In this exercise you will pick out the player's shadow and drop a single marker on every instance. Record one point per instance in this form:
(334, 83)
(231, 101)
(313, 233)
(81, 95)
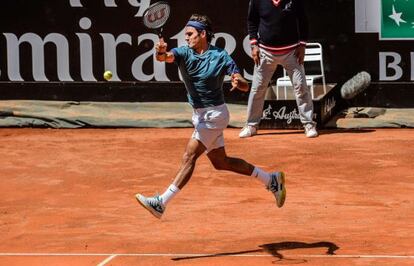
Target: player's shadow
(273, 248)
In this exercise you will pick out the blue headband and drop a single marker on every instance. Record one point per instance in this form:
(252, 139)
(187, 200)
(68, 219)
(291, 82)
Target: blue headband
(197, 25)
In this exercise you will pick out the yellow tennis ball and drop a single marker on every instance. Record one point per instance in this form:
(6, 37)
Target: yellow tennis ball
(107, 75)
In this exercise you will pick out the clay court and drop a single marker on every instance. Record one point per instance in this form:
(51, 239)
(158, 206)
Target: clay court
(67, 198)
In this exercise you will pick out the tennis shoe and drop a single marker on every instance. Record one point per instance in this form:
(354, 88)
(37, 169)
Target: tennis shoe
(248, 131)
(310, 131)
(277, 187)
(153, 204)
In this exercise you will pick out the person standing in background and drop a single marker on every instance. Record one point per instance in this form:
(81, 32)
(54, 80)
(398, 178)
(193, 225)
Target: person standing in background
(278, 31)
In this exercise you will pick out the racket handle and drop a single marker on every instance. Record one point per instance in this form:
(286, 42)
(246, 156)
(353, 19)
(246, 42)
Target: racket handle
(159, 33)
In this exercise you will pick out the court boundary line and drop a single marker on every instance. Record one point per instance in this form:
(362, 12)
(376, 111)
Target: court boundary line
(111, 256)
(105, 261)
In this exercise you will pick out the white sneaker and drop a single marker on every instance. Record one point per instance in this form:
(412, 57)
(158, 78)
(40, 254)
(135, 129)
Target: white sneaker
(153, 204)
(248, 131)
(310, 131)
(277, 187)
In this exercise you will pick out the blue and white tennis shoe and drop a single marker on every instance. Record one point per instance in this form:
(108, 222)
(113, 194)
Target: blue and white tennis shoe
(277, 187)
(153, 204)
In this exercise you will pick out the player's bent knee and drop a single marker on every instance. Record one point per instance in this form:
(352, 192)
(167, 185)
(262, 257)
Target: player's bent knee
(220, 164)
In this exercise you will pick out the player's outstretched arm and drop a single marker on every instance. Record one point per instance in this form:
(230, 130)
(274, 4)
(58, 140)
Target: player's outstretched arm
(161, 52)
(237, 81)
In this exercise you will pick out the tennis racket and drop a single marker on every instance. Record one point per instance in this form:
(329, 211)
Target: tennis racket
(155, 16)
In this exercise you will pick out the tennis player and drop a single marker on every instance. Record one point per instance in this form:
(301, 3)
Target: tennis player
(203, 67)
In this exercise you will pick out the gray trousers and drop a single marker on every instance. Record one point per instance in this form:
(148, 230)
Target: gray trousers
(261, 78)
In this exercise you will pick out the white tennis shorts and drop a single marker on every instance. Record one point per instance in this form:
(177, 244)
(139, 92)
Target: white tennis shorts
(209, 124)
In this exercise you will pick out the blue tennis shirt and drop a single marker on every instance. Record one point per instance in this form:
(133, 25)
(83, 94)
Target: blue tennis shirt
(203, 74)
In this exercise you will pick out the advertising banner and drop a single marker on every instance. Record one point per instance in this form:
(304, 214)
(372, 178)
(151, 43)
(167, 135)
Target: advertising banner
(397, 20)
(78, 40)
(385, 30)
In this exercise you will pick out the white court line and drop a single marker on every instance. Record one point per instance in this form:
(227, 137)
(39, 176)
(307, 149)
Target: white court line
(111, 256)
(106, 260)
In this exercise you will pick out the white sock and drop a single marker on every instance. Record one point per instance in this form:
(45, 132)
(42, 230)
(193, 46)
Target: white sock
(169, 194)
(261, 175)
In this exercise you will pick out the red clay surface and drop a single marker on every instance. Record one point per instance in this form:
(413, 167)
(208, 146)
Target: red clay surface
(67, 198)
